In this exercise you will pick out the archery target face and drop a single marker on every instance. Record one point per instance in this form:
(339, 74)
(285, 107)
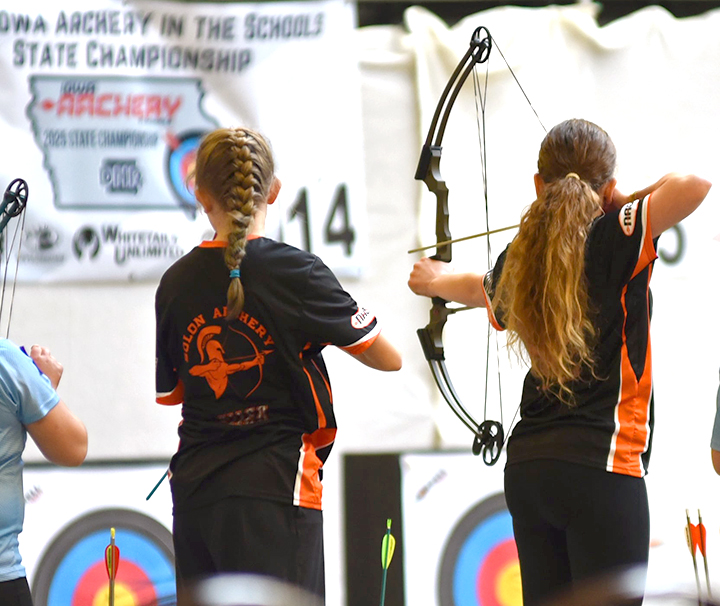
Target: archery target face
(72, 570)
(479, 565)
(180, 162)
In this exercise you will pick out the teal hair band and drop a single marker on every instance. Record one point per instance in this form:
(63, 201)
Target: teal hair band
(234, 273)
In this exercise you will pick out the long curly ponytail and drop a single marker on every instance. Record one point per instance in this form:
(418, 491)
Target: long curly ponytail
(543, 290)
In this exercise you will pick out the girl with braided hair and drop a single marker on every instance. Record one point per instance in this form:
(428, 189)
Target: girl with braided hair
(572, 292)
(241, 324)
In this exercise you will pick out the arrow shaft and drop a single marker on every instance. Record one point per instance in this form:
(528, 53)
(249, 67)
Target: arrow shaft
(485, 233)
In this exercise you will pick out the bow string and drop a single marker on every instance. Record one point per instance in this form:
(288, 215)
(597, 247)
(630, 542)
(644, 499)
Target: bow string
(489, 435)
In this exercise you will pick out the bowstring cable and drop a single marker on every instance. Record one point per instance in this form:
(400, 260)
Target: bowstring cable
(510, 69)
(481, 101)
(481, 89)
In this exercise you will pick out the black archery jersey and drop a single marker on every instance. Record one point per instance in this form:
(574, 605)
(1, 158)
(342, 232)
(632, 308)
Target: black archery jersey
(611, 424)
(257, 416)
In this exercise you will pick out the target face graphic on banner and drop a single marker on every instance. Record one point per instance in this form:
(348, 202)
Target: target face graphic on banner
(180, 162)
(72, 570)
(479, 565)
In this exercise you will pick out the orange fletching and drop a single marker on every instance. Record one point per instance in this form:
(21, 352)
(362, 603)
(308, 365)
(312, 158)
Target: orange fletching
(702, 538)
(694, 539)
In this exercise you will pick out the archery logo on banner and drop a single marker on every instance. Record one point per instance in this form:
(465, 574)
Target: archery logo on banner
(107, 104)
(135, 138)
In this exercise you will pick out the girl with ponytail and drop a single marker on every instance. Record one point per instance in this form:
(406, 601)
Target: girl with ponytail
(572, 292)
(241, 324)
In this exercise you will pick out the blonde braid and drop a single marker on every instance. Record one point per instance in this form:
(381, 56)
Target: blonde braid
(236, 167)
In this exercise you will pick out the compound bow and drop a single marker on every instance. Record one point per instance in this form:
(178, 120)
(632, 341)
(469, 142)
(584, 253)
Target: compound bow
(489, 436)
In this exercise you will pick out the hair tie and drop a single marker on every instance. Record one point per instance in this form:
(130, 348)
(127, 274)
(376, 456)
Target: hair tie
(234, 273)
(573, 176)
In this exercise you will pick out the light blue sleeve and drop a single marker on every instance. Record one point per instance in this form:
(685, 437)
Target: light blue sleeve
(715, 439)
(23, 387)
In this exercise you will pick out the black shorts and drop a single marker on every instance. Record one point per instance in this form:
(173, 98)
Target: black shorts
(15, 593)
(574, 523)
(239, 534)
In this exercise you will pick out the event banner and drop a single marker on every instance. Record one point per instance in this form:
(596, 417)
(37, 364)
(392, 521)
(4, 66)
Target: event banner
(104, 103)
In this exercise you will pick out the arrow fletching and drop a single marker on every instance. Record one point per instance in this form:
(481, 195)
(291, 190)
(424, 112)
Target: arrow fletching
(112, 557)
(388, 547)
(702, 536)
(695, 537)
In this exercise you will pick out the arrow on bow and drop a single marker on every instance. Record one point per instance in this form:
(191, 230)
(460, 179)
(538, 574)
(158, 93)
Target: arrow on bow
(489, 436)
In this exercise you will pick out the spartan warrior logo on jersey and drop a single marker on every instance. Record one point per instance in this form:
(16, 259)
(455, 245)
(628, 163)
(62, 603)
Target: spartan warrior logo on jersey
(227, 357)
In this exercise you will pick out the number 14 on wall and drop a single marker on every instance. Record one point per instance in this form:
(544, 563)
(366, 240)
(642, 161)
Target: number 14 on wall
(336, 228)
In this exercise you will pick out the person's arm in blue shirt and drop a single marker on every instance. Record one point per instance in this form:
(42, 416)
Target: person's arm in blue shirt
(60, 435)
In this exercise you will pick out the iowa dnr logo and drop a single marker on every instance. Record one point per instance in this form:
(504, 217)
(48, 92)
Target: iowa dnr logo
(121, 176)
(362, 318)
(627, 218)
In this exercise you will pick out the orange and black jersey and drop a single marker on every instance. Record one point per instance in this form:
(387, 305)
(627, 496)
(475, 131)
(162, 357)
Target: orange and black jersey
(257, 416)
(610, 426)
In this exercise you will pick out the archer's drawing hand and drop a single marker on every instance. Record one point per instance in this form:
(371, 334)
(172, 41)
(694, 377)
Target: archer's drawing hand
(424, 274)
(49, 366)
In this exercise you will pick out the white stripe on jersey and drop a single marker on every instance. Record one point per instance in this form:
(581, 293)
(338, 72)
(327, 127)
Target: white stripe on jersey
(299, 476)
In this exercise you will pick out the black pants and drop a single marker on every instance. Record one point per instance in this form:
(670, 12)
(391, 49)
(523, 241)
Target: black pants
(574, 523)
(15, 593)
(250, 535)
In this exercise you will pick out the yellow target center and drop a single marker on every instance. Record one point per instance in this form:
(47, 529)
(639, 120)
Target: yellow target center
(509, 587)
(123, 596)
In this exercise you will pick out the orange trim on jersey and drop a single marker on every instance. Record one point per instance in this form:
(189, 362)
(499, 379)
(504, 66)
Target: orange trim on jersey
(361, 347)
(647, 253)
(324, 378)
(176, 396)
(223, 243)
(322, 421)
(632, 413)
(308, 488)
(488, 306)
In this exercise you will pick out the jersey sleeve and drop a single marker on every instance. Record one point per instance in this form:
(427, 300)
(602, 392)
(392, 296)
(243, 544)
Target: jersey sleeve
(332, 316)
(168, 387)
(489, 282)
(621, 245)
(23, 387)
